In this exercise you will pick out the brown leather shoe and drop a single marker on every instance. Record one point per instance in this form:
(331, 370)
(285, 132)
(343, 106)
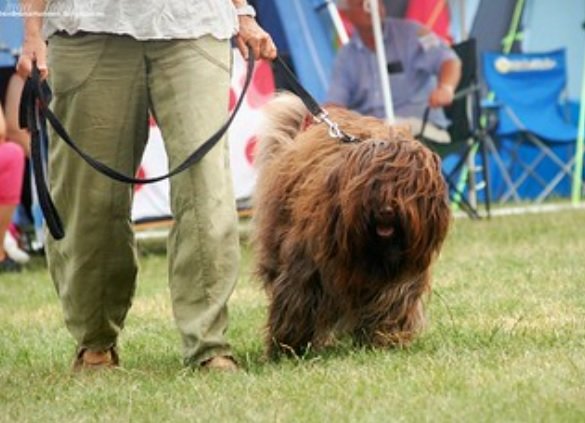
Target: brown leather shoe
(221, 363)
(96, 360)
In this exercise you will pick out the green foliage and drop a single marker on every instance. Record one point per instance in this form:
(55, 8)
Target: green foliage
(505, 343)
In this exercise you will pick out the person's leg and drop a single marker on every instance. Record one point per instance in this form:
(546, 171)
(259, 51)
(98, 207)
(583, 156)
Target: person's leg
(189, 90)
(100, 97)
(11, 177)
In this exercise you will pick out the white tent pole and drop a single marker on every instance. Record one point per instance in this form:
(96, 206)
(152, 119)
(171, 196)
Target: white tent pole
(382, 62)
(337, 22)
(463, 11)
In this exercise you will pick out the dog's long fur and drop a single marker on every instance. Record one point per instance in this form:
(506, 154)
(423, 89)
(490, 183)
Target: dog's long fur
(344, 233)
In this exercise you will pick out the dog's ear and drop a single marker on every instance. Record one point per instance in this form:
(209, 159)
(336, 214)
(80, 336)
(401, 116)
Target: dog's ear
(308, 121)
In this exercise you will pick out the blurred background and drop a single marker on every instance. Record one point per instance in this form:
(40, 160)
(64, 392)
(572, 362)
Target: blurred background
(308, 34)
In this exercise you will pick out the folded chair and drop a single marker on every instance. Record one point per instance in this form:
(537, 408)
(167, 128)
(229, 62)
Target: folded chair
(465, 157)
(535, 137)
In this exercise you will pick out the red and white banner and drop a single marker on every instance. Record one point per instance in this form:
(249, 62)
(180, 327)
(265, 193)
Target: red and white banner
(152, 201)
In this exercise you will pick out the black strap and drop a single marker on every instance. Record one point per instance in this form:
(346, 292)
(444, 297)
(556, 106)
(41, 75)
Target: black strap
(298, 89)
(196, 156)
(317, 111)
(30, 115)
(425, 120)
(34, 112)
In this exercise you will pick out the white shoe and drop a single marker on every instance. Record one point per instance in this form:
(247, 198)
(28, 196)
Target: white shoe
(12, 249)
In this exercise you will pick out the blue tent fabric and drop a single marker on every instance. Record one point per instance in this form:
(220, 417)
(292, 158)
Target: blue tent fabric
(310, 40)
(462, 16)
(271, 21)
(554, 24)
(11, 32)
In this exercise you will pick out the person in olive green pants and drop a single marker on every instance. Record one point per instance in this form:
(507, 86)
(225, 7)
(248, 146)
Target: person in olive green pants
(108, 69)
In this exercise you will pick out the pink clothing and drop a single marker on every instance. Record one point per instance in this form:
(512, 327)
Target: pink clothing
(11, 172)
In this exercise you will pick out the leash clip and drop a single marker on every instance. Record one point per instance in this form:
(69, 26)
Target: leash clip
(334, 131)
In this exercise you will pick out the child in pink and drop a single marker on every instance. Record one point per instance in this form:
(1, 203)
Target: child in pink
(12, 161)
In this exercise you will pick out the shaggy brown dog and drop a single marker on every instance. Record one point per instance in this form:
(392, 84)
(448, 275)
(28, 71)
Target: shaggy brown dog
(344, 233)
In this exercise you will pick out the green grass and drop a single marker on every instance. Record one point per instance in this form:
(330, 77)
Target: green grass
(505, 343)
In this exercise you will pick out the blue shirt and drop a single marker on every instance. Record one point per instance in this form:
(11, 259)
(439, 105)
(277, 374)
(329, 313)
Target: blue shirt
(355, 78)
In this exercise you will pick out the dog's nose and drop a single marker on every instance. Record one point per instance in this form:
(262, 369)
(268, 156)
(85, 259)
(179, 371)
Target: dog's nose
(386, 214)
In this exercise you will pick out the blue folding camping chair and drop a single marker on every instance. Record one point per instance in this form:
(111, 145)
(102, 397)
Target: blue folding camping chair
(536, 138)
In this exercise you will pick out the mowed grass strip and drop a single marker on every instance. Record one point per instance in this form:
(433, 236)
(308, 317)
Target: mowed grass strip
(505, 342)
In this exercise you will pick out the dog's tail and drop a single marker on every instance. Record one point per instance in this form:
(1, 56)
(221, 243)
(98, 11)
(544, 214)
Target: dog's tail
(284, 117)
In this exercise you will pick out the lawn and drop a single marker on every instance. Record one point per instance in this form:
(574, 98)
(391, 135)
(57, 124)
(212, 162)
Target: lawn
(505, 343)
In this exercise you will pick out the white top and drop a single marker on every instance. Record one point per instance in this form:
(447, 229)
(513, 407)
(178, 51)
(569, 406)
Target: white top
(143, 20)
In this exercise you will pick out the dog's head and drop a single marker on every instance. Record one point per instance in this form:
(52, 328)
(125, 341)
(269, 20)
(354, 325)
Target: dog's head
(393, 203)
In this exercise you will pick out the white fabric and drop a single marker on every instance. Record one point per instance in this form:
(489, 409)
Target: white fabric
(13, 250)
(432, 131)
(143, 20)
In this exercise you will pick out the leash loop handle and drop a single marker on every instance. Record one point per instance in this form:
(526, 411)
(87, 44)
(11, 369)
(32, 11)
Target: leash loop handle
(32, 97)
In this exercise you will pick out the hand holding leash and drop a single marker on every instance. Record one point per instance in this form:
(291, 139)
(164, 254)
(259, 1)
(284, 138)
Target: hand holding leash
(34, 50)
(252, 37)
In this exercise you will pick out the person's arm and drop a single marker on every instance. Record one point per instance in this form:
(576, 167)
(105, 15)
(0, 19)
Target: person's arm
(2, 126)
(33, 47)
(437, 58)
(252, 37)
(448, 79)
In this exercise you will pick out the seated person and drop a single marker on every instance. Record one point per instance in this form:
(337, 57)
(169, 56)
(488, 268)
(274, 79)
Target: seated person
(23, 217)
(11, 175)
(424, 71)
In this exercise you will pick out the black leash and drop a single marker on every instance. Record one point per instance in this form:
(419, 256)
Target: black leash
(34, 113)
(317, 111)
(30, 117)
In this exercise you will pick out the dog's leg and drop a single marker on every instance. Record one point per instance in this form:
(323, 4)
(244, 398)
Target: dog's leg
(292, 315)
(395, 317)
(398, 333)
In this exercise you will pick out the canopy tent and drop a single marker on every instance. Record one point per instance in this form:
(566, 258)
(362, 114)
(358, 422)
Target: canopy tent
(548, 27)
(11, 35)
(11, 32)
(552, 25)
(576, 193)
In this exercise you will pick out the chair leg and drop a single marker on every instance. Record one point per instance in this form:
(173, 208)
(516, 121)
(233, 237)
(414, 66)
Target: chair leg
(456, 195)
(486, 173)
(461, 200)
